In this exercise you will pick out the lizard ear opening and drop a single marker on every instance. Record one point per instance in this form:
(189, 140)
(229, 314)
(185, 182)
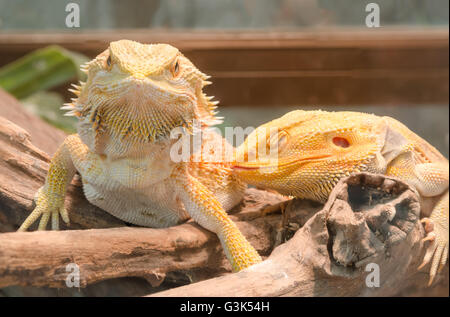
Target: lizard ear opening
(394, 143)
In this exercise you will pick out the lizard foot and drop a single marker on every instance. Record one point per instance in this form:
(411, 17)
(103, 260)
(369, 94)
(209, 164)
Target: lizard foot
(437, 251)
(46, 205)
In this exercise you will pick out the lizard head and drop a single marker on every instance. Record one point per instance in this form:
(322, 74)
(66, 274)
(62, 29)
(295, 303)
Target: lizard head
(141, 92)
(305, 153)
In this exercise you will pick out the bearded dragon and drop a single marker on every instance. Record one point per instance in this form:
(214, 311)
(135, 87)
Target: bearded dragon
(134, 96)
(315, 149)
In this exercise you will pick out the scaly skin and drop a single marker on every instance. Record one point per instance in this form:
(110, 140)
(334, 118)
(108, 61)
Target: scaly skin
(317, 148)
(134, 96)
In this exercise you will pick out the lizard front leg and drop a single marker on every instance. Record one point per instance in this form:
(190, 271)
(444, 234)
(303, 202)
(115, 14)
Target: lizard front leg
(50, 197)
(429, 179)
(437, 232)
(433, 180)
(206, 210)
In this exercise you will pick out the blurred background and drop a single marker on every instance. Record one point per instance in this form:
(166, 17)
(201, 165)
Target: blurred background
(265, 57)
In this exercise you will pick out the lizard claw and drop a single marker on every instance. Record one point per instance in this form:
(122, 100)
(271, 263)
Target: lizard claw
(430, 237)
(46, 206)
(437, 251)
(428, 224)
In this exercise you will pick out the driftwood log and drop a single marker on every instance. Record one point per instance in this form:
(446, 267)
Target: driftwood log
(349, 248)
(44, 136)
(327, 256)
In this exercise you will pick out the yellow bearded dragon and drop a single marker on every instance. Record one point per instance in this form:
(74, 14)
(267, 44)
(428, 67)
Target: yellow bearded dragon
(315, 149)
(134, 96)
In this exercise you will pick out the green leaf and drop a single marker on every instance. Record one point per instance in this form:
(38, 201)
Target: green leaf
(41, 70)
(46, 105)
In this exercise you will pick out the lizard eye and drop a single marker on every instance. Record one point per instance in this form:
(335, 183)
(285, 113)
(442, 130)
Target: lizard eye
(108, 61)
(175, 69)
(341, 142)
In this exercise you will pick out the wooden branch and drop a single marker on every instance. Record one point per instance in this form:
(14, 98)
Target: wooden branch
(42, 135)
(328, 256)
(40, 258)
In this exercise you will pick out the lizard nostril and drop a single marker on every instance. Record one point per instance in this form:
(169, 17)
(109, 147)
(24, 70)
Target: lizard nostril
(341, 142)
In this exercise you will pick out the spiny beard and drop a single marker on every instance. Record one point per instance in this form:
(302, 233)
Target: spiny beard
(138, 123)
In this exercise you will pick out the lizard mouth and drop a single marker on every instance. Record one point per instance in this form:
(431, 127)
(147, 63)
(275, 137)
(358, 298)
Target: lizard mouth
(280, 163)
(245, 168)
